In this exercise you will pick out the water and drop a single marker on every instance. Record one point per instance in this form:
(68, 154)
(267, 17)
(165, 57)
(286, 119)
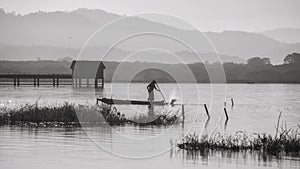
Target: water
(256, 109)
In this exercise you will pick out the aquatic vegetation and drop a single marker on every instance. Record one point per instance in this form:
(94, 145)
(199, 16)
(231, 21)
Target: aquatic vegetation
(159, 119)
(50, 116)
(114, 117)
(71, 115)
(4, 117)
(240, 141)
(286, 140)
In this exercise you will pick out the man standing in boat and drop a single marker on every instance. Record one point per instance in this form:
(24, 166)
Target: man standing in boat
(151, 86)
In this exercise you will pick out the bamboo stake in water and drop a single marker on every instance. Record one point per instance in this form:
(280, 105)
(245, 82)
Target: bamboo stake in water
(183, 115)
(206, 111)
(226, 114)
(278, 123)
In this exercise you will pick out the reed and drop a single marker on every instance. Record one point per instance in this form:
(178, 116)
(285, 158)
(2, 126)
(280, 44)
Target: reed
(65, 114)
(159, 119)
(71, 115)
(114, 117)
(286, 140)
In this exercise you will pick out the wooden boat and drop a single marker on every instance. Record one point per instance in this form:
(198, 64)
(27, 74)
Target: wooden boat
(132, 102)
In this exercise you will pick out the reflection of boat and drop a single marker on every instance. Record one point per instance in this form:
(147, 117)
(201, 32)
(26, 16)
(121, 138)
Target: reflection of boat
(133, 102)
(250, 82)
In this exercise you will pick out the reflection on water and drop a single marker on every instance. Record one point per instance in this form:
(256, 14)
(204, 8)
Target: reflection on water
(72, 148)
(255, 109)
(244, 159)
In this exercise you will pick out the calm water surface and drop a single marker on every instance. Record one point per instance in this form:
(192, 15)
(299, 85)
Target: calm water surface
(256, 108)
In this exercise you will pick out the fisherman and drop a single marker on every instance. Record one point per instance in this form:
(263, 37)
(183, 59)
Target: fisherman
(150, 89)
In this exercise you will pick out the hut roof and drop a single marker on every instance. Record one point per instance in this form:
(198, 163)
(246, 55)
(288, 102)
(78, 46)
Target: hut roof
(87, 69)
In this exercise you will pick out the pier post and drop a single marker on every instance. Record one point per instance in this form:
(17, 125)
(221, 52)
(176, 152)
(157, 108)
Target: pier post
(76, 83)
(57, 82)
(232, 103)
(206, 110)
(96, 83)
(34, 79)
(87, 82)
(102, 83)
(79, 82)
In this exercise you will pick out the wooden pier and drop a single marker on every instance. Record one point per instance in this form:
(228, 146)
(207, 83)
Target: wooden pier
(35, 79)
(82, 73)
(47, 79)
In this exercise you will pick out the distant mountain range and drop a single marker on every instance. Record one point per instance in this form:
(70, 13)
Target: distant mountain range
(54, 35)
(12, 52)
(287, 35)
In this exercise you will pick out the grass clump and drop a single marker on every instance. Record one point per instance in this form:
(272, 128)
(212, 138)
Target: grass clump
(114, 117)
(71, 115)
(159, 119)
(286, 140)
(262, 142)
(64, 115)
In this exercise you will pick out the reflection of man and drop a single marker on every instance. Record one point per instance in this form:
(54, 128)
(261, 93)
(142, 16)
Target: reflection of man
(150, 89)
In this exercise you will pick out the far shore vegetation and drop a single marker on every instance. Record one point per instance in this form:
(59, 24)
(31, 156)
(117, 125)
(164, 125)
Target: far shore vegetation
(257, 70)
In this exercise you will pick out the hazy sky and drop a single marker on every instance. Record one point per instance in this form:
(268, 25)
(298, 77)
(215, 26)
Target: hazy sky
(206, 15)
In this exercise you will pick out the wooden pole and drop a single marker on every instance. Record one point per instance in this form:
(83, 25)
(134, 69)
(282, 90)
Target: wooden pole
(102, 82)
(232, 103)
(57, 82)
(182, 111)
(79, 82)
(38, 81)
(96, 83)
(87, 82)
(15, 81)
(206, 123)
(207, 113)
(34, 81)
(226, 114)
(53, 80)
(18, 81)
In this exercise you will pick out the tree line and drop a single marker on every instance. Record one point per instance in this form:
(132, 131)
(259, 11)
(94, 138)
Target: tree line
(256, 70)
